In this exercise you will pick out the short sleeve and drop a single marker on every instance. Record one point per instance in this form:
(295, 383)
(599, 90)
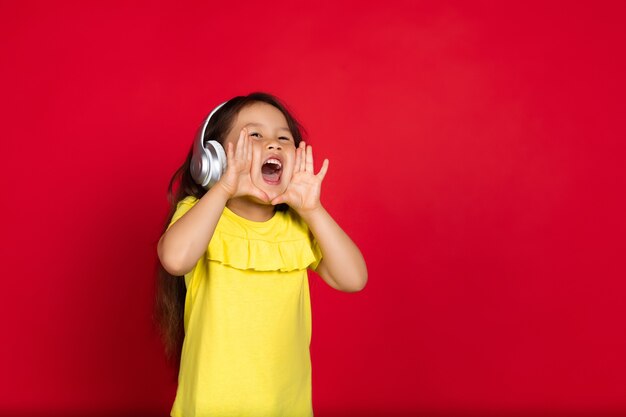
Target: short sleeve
(183, 207)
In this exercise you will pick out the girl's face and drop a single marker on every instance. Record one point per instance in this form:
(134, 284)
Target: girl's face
(273, 146)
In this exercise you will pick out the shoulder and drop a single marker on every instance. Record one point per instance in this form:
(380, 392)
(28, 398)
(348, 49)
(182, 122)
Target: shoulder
(190, 200)
(182, 207)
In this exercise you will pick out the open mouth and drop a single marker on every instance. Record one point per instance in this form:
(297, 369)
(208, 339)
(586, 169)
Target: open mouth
(271, 171)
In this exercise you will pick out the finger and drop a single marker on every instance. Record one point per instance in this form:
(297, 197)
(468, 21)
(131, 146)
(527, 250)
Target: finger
(249, 153)
(302, 155)
(229, 154)
(240, 142)
(247, 143)
(309, 159)
(296, 167)
(323, 170)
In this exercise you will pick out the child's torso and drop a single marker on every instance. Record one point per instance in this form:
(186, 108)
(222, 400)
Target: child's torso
(248, 323)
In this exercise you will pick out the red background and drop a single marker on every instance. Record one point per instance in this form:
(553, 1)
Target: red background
(476, 157)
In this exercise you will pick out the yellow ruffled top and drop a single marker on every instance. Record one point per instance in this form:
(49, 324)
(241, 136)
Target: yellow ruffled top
(248, 320)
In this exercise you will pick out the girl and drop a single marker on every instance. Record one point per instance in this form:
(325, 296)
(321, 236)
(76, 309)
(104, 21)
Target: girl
(243, 248)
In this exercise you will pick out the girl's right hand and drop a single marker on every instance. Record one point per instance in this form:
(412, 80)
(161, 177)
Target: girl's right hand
(236, 181)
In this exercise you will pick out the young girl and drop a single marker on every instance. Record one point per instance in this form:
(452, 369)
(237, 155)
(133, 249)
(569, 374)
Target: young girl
(244, 247)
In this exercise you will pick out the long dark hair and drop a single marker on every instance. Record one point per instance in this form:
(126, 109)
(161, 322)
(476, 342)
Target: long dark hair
(171, 290)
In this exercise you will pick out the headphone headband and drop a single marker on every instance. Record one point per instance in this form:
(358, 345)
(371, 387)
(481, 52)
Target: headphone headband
(208, 161)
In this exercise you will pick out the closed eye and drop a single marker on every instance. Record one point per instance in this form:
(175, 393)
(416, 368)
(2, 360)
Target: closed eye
(255, 134)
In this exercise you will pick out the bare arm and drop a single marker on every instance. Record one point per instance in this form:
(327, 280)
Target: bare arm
(187, 239)
(342, 265)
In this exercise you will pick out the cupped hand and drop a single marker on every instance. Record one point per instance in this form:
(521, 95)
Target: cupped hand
(237, 181)
(303, 192)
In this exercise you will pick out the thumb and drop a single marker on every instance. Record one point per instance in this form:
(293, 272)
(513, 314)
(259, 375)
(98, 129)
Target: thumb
(278, 200)
(323, 170)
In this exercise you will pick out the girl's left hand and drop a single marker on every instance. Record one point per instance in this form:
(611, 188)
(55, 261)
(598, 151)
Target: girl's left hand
(303, 192)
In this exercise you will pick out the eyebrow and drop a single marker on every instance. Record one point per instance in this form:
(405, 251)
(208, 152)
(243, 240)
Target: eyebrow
(262, 125)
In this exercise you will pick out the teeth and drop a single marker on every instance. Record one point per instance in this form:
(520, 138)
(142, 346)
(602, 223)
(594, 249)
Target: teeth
(273, 161)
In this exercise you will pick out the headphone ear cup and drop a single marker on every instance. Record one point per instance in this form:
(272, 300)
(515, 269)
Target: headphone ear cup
(199, 165)
(216, 161)
(208, 160)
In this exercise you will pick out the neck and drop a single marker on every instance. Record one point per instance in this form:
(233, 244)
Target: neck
(248, 209)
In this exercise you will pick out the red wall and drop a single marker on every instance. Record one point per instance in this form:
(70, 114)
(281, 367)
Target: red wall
(476, 157)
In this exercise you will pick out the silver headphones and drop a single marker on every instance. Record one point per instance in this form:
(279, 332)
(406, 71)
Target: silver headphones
(208, 161)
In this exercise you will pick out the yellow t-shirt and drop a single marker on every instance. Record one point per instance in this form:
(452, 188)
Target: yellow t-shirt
(248, 320)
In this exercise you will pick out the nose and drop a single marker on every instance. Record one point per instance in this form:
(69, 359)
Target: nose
(273, 144)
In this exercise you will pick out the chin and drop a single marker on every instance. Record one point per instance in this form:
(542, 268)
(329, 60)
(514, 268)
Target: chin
(273, 192)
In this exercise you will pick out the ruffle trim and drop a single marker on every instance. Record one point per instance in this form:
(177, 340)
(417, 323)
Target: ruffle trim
(261, 255)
